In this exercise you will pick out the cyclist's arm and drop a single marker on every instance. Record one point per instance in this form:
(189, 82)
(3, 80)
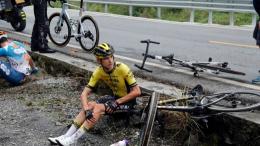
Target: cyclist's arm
(29, 59)
(91, 85)
(84, 98)
(134, 92)
(2, 52)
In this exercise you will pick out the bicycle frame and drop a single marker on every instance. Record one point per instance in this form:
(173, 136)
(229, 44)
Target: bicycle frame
(207, 108)
(195, 66)
(64, 13)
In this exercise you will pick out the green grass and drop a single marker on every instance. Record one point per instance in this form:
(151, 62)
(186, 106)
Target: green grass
(96, 7)
(146, 12)
(172, 14)
(115, 9)
(221, 18)
(243, 19)
(180, 15)
(201, 16)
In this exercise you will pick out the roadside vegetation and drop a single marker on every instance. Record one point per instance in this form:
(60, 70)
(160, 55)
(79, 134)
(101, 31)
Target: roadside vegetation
(179, 15)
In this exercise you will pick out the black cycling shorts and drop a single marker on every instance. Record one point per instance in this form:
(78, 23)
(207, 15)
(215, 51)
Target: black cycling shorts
(126, 106)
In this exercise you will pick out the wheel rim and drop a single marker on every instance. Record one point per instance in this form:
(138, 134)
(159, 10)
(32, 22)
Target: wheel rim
(89, 35)
(59, 35)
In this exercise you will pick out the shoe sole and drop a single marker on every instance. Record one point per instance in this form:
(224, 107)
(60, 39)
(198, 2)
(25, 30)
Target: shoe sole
(59, 143)
(52, 143)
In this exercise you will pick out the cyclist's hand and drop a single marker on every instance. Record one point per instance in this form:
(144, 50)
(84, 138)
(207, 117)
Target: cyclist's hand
(111, 106)
(89, 116)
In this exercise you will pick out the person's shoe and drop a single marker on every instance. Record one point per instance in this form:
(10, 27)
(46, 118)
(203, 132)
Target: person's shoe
(66, 141)
(34, 48)
(47, 50)
(53, 140)
(256, 80)
(34, 70)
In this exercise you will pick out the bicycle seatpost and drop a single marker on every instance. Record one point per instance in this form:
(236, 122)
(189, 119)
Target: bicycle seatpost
(81, 8)
(148, 41)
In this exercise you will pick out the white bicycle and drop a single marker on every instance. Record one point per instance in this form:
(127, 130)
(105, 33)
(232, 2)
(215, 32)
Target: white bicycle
(84, 28)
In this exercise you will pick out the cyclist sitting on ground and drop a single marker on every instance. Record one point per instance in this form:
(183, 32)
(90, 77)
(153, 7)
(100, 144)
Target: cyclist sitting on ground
(121, 81)
(19, 63)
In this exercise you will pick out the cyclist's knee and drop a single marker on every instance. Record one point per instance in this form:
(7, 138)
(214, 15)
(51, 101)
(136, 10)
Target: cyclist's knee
(99, 108)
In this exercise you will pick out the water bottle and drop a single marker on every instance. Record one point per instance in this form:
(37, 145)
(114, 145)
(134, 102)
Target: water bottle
(121, 143)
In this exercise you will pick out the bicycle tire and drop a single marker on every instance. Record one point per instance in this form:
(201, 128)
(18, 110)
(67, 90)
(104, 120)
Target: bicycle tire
(52, 38)
(221, 69)
(213, 102)
(89, 34)
(149, 118)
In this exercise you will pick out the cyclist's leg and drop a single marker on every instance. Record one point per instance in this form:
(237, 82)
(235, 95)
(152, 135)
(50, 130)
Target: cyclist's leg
(81, 117)
(98, 111)
(10, 75)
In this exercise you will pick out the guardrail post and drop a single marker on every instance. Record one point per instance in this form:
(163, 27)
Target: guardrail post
(130, 10)
(231, 18)
(85, 7)
(210, 17)
(159, 12)
(192, 15)
(254, 19)
(106, 8)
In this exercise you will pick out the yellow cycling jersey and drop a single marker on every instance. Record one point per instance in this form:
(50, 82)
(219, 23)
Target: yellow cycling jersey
(120, 79)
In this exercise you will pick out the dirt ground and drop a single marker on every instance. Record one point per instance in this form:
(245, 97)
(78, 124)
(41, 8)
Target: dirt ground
(36, 110)
(43, 108)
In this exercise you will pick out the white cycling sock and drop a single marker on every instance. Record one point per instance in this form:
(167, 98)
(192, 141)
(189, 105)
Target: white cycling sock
(71, 131)
(81, 131)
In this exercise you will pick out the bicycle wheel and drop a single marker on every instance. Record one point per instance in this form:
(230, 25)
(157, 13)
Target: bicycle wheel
(59, 35)
(221, 69)
(148, 118)
(231, 102)
(19, 20)
(90, 33)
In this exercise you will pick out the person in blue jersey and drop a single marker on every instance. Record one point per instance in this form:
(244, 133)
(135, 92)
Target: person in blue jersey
(15, 63)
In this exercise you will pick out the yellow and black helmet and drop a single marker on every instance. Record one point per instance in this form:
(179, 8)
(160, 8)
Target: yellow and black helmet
(3, 36)
(103, 50)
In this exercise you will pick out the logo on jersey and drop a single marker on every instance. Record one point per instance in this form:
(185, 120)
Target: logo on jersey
(19, 51)
(5, 69)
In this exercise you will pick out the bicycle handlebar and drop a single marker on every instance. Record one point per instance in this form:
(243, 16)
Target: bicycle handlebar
(148, 41)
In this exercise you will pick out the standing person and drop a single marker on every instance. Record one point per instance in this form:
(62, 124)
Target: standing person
(19, 64)
(121, 81)
(39, 40)
(256, 33)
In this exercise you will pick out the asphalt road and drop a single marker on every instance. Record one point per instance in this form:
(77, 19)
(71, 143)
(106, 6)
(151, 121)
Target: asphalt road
(187, 41)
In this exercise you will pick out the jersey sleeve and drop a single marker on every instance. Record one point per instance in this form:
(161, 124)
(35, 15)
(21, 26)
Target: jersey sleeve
(129, 76)
(21, 45)
(94, 79)
(2, 52)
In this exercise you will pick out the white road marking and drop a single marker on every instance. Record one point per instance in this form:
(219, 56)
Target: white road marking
(233, 44)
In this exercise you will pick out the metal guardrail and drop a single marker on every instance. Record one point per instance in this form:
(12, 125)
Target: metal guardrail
(231, 6)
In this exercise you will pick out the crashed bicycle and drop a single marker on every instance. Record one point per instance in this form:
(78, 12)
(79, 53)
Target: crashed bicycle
(198, 106)
(195, 66)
